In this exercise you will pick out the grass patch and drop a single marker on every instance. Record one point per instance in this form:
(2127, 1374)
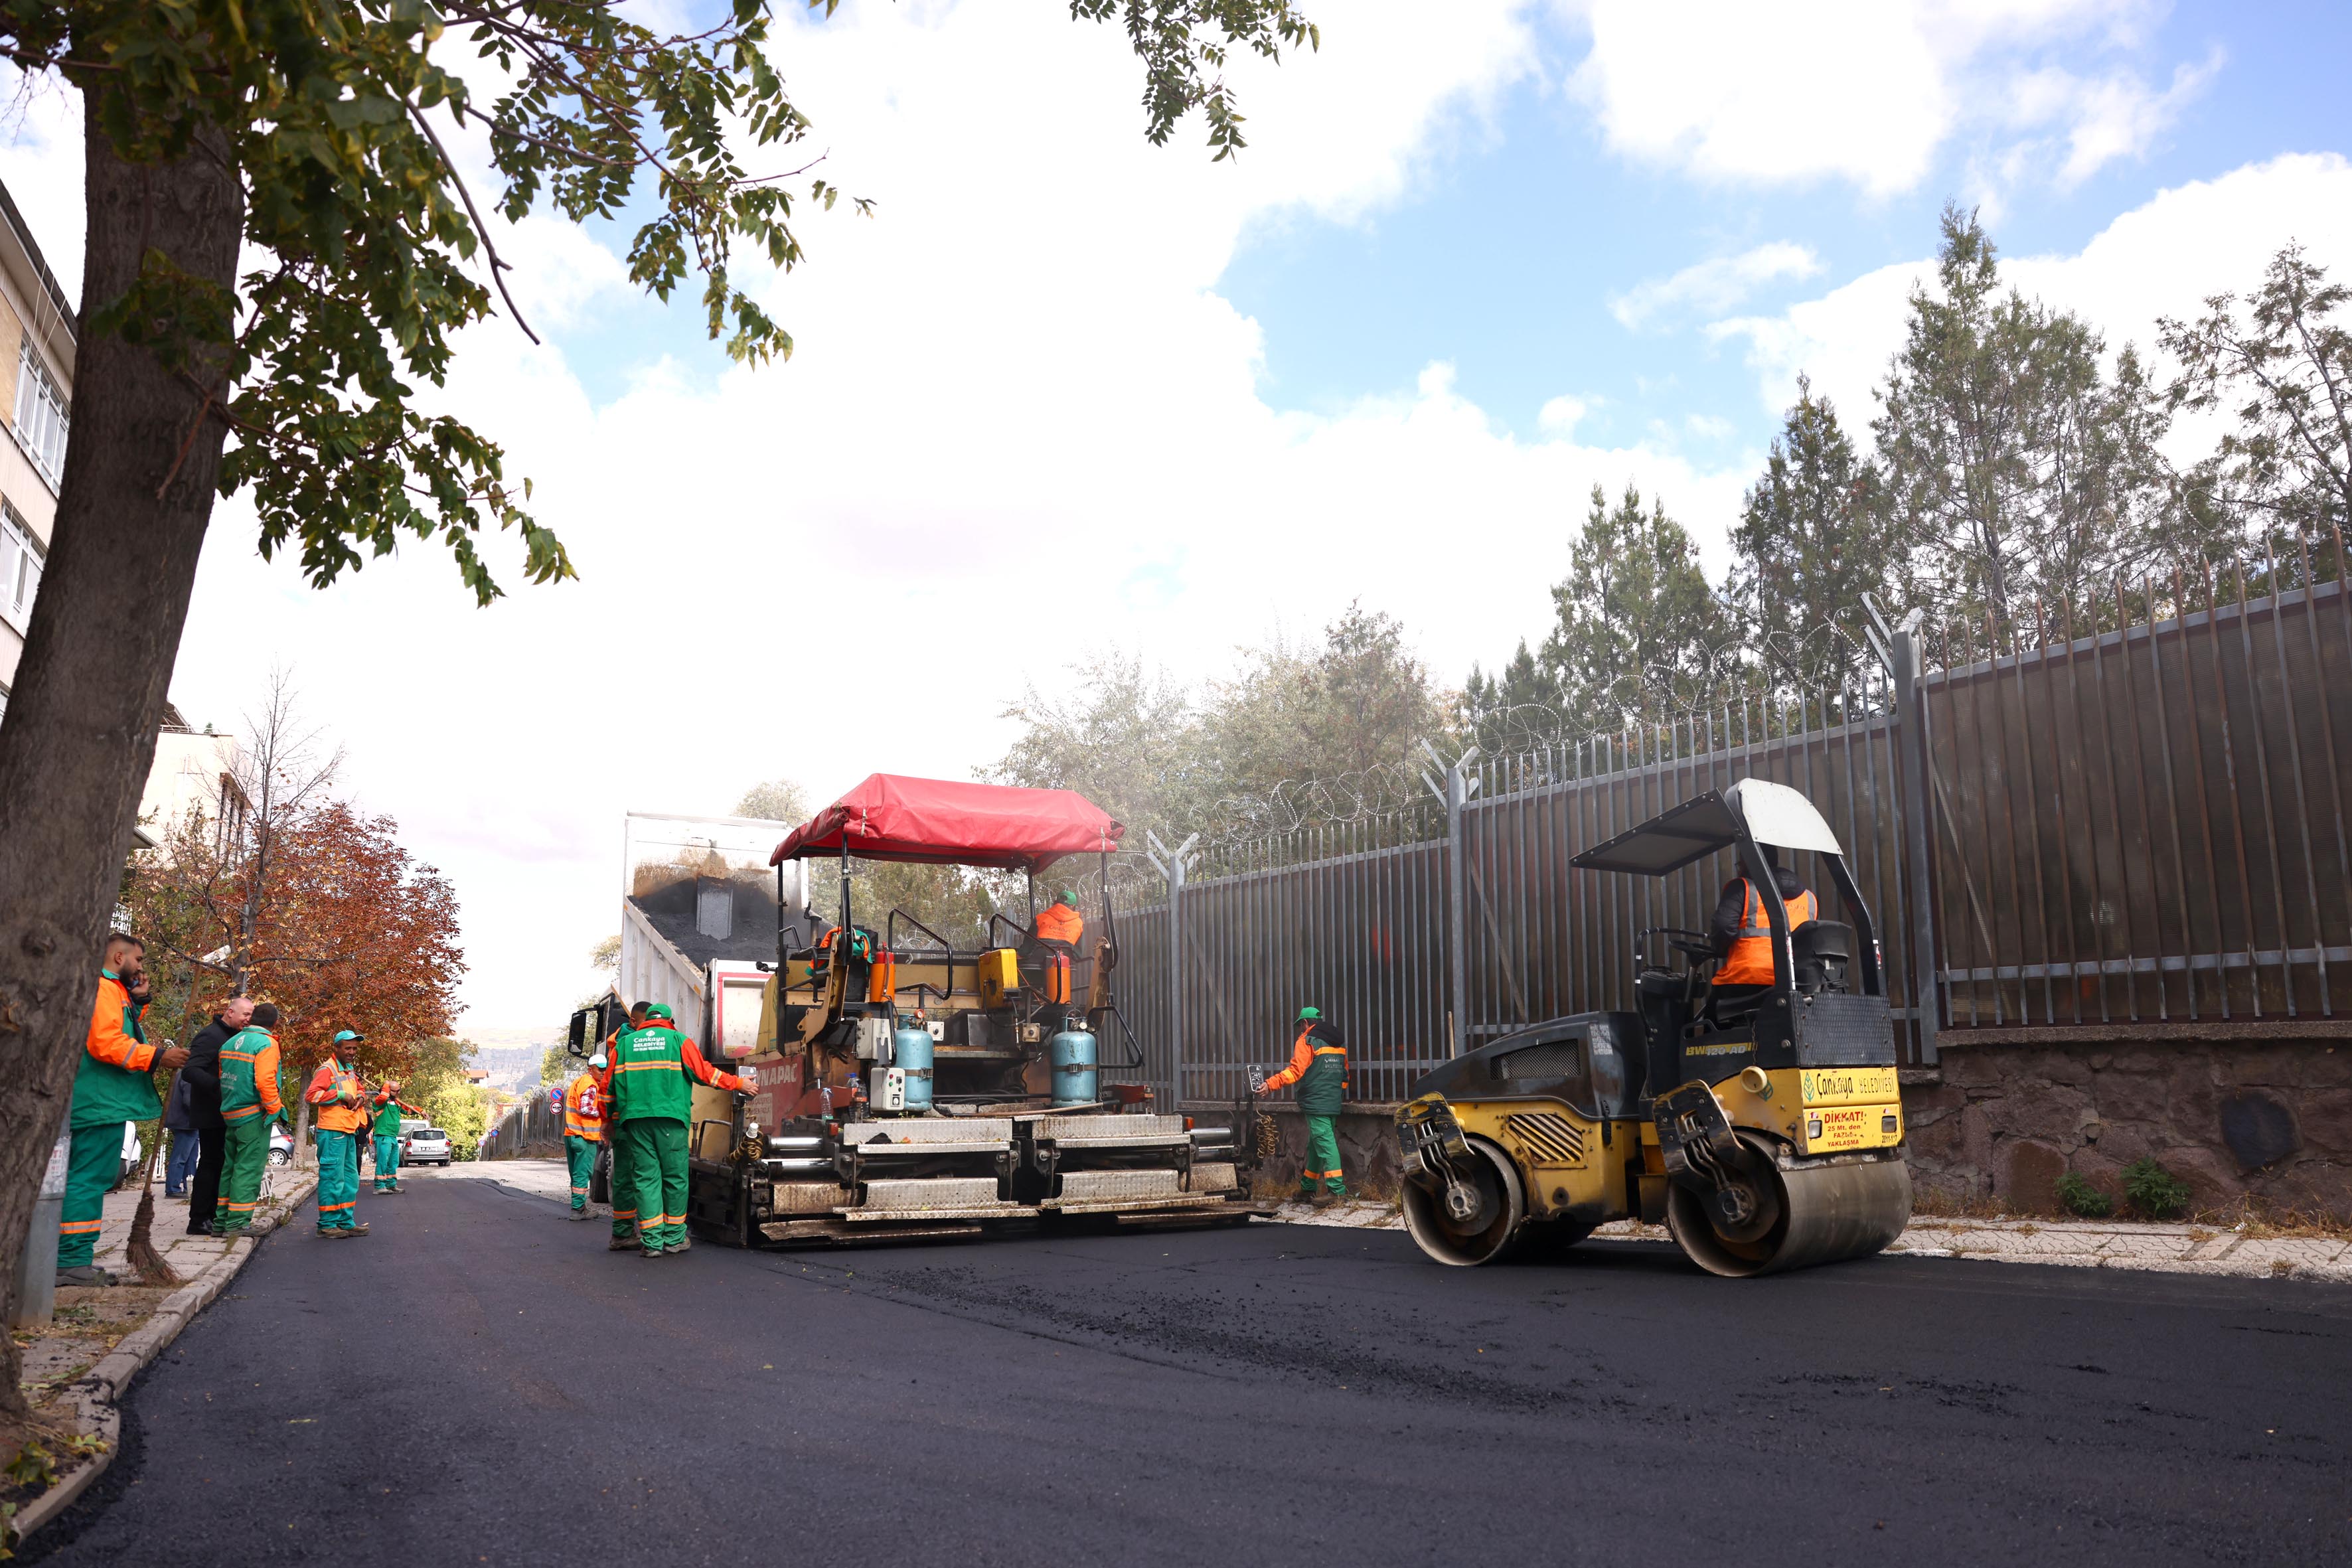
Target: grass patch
(2078, 1196)
(2153, 1191)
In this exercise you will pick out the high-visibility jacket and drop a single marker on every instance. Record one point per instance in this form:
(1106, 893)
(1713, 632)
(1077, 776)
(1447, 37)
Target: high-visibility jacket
(390, 1104)
(1318, 1066)
(113, 1081)
(654, 1072)
(248, 1072)
(1059, 922)
(335, 1090)
(1749, 962)
(584, 1109)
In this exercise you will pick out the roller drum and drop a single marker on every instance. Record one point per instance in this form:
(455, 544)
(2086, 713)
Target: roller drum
(1827, 1213)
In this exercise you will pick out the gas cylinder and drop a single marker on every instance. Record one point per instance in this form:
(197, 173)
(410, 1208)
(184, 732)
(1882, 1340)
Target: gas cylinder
(912, 1047)
(1071, 1053)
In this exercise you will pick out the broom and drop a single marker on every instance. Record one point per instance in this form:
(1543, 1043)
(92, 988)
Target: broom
(145, 1261)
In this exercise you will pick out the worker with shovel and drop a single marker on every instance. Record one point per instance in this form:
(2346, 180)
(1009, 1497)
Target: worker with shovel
(389, 1107)
(1318, 1066)
(113, 1084)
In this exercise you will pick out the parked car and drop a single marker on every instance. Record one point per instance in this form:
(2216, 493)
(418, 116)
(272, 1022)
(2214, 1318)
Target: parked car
(425, 1146)
(130, 1161)
(281, 1144)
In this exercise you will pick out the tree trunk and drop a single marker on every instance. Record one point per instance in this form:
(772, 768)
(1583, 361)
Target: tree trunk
(79, 734)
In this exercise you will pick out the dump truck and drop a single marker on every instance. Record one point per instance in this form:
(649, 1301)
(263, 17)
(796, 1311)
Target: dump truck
(1763, 1126)
(910, 1088)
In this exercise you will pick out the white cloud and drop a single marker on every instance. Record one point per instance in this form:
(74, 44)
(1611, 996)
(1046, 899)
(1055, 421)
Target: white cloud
(2163, 258)
(1714, 286)
(1559, 416)
(1016, 401)
(1867, 90)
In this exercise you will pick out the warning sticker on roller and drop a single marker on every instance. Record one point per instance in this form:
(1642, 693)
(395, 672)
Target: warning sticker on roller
(1831, 1128)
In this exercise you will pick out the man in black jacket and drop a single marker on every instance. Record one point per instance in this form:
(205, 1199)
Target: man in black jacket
(202, 1074)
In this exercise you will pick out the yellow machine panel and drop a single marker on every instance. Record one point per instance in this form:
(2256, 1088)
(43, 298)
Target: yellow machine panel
(1833, 1128)
(1000, 972)
(1849, 1085)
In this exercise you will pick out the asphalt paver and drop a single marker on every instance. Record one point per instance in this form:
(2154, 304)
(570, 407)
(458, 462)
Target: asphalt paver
(480, 1381)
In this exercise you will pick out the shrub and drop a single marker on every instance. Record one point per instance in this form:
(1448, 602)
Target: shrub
(2154, 1190)
(2079, 1197)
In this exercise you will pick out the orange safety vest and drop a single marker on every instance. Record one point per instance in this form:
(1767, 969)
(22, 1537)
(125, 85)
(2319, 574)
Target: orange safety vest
(1749, 962)
(335, 1090)
(584, 1110)
(1059, 922)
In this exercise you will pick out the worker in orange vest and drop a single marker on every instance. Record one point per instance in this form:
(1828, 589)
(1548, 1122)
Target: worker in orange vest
(1318, 1066)
(583, 1129)
(1741, 930)
(1058, 930)
(335, 1090)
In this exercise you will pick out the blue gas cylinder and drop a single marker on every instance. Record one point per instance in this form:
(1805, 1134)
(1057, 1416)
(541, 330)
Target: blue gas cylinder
(1071, 1055)
(912, 1048)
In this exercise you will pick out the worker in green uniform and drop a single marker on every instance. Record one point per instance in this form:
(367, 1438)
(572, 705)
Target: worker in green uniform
(249, 1104)
(620, 1182)
(1318, 1066)
(115, 1083)
(655, 1070)
(388, 1109)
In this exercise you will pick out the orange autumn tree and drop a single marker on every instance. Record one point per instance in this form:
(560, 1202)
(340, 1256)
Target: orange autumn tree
(337, 924)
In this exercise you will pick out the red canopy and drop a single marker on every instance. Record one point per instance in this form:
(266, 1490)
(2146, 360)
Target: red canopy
(941, 822)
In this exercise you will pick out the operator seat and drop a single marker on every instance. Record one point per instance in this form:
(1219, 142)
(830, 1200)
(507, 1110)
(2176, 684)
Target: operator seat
(1824, 955)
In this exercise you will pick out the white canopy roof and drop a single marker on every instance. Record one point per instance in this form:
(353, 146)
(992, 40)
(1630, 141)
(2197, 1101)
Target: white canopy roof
(1774, 814)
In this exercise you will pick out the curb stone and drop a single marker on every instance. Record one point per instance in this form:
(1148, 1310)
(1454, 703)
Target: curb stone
(92, 1395)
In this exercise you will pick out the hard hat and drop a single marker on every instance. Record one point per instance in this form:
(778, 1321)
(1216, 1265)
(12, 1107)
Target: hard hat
(1315, 1014)
(660, 1010)
(597, 1061)
(342, 1034)
(1069, 897)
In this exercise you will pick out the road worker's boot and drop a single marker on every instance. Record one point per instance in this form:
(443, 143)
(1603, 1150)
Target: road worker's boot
(680, 1245)
(622, 1244)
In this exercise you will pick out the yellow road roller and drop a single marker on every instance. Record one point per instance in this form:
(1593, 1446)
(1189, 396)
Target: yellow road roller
(1761, 1122)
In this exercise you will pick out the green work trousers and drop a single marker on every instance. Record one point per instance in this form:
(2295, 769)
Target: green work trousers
(338, 1180)
(580, 1155)
(387, 1161)
(1322, 1159)
(623, 1185)
(656, 1146)
(245, 1155)
(94, 1166)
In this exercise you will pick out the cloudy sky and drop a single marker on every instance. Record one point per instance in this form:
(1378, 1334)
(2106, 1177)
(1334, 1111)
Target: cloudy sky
(1477, 258)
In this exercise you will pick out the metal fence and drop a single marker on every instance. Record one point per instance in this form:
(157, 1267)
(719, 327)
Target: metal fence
(2147, 823)
(2144, 824)
(534, 1127)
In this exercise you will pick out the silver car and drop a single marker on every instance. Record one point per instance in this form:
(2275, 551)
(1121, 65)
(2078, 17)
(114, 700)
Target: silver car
(425, 1146)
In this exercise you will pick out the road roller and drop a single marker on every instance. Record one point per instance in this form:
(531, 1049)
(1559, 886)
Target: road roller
(1760, 1124)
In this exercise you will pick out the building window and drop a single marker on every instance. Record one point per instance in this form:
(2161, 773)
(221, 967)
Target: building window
(41, 416)
(20, 569)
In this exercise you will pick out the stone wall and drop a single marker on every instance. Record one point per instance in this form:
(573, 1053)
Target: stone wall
(2236, 1111)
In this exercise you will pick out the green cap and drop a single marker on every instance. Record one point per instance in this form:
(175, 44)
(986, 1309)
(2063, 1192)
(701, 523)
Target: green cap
(1315, 1014)
(342, 1034)
(1069, 897)
(660, 1010)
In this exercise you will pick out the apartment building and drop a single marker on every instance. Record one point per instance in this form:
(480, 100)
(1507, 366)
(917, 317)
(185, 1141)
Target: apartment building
(36, 359)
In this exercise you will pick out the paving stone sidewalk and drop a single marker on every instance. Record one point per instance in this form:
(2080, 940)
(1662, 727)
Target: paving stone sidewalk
(2080, 1244)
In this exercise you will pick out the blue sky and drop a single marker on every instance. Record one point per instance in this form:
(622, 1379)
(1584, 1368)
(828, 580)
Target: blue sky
(1505, 262)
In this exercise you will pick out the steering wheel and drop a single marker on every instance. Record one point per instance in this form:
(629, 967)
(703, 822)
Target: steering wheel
(1689, 943)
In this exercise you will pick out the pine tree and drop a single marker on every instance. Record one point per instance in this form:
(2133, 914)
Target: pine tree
(1813, 536)
(1639, 635)
(2017, 471)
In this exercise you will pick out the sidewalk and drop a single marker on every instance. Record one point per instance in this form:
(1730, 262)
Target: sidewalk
(2074, 1243)
(100, 1338)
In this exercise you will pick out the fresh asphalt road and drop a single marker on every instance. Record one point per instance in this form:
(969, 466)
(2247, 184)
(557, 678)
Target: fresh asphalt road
(480, 1381)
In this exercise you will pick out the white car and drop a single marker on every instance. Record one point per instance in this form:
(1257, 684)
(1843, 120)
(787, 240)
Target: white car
(425, 1146)
(281, 1144)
